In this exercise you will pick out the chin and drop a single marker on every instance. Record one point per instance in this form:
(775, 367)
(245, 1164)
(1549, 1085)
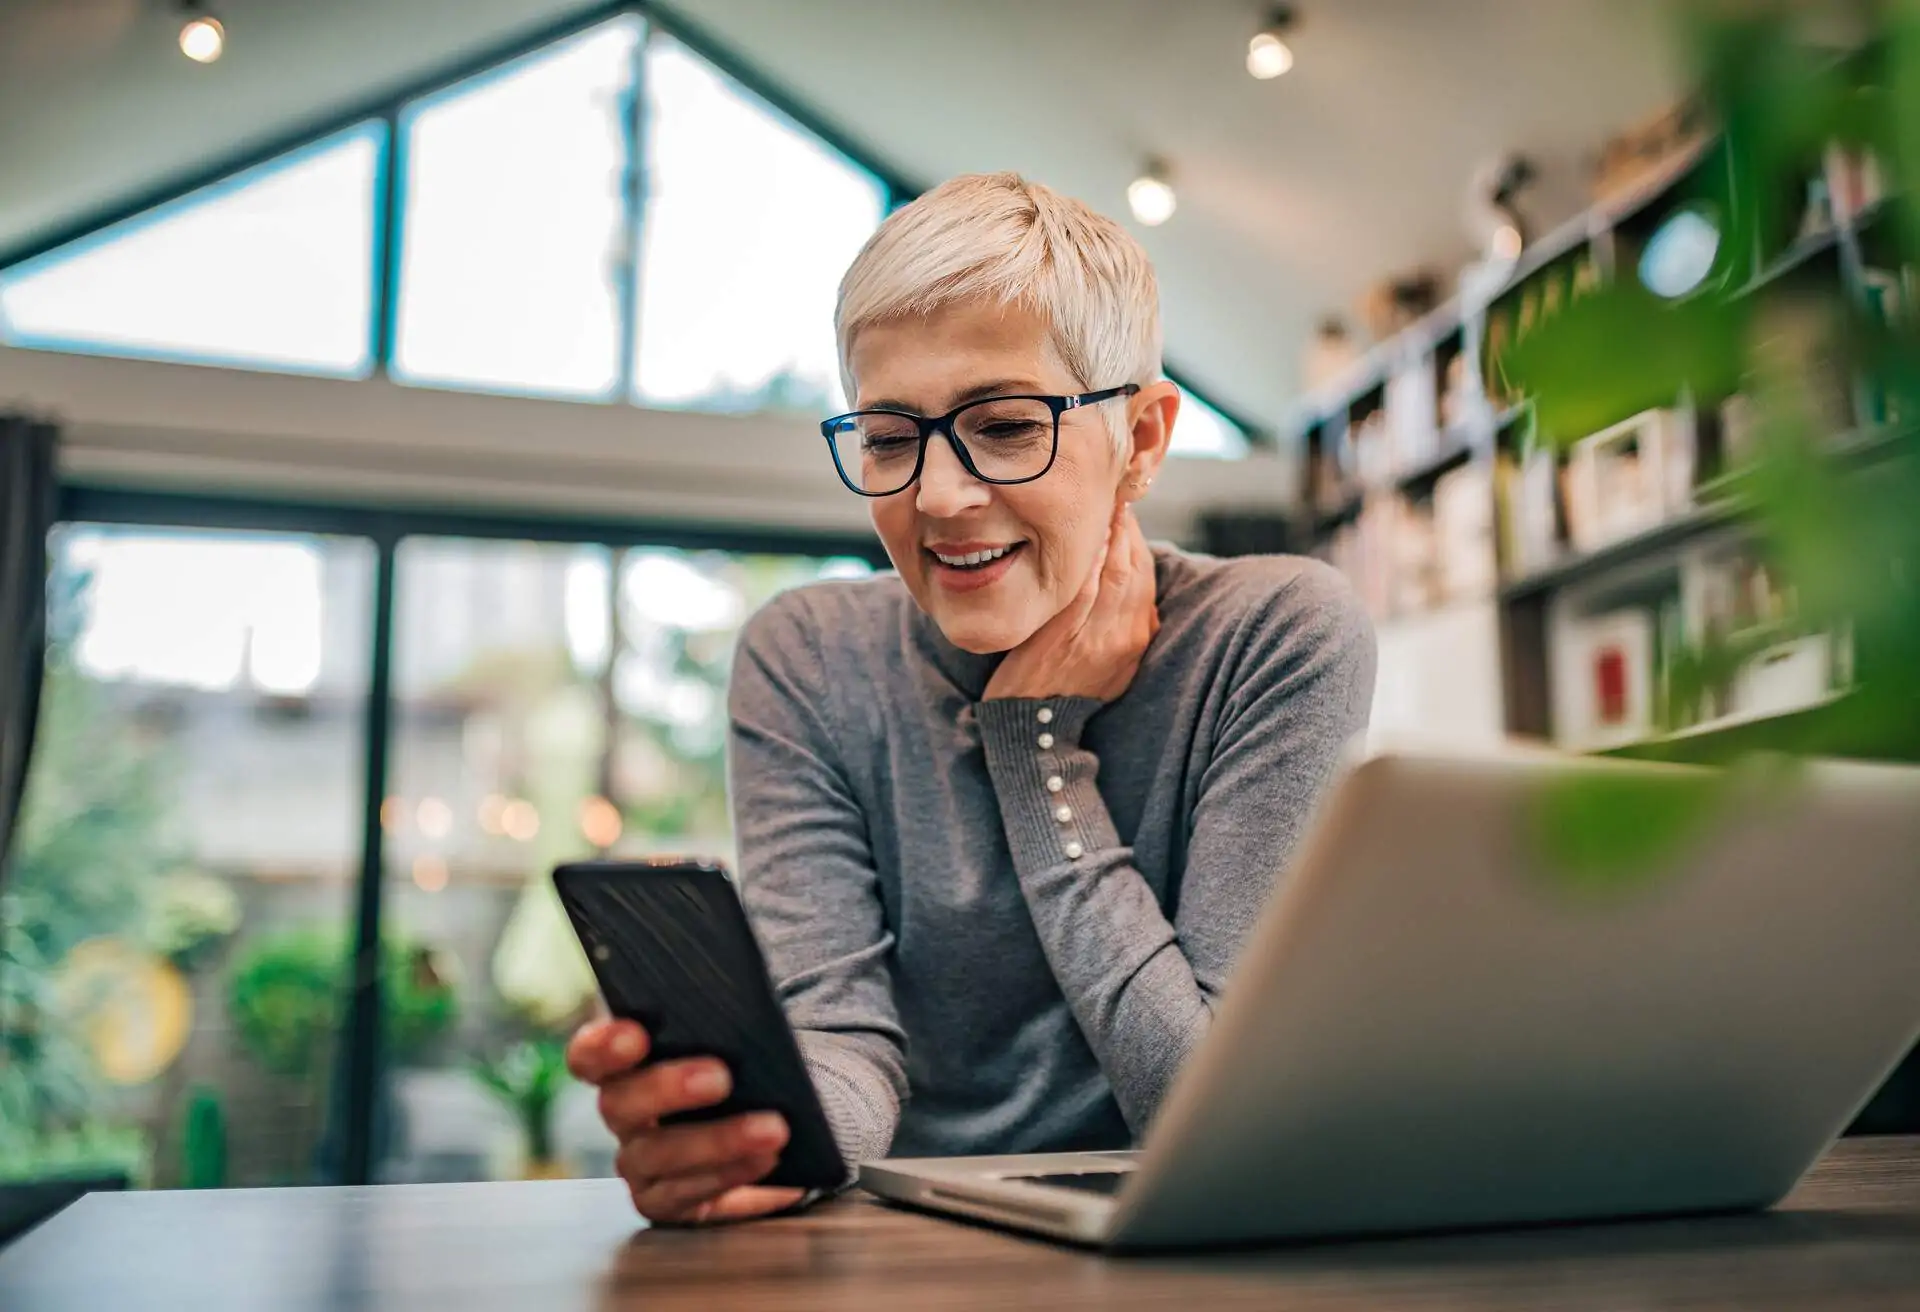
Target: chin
(981, 634)
(979, 642)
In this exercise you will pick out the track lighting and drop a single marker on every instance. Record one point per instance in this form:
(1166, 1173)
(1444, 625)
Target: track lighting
(1268, 54)
(202, 38)
(1151, 194)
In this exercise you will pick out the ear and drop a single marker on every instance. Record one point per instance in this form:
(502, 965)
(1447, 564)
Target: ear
(1150, 415)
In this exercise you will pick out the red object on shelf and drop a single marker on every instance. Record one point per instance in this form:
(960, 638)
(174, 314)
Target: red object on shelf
(1610, 684)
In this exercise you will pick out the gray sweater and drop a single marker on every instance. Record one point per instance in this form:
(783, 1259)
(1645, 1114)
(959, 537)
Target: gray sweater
(1001, 926)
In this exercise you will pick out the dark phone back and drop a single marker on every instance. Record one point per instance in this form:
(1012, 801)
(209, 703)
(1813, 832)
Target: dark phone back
(672, 949)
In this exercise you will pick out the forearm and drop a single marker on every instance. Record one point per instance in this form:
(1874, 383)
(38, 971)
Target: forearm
(1115, 955)
(807, 879)
(862, 1085)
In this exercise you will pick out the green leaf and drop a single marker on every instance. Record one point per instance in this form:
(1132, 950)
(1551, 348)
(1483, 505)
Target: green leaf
(1603, 831)
(1903, 111)
(1620, 350)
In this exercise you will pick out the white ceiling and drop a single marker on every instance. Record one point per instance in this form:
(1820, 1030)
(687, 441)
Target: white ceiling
(1294, 194)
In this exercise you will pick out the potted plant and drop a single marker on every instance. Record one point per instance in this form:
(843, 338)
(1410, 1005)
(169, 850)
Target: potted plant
(529, 1077)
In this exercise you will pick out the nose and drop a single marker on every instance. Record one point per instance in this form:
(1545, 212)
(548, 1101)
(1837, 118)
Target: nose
(946, 488)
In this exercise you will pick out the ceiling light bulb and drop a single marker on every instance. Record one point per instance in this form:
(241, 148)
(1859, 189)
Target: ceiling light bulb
(202, 39)
(1151, 197)
(1268, 56)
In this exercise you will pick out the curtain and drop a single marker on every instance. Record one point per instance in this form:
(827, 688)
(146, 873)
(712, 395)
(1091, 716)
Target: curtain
(28, 503)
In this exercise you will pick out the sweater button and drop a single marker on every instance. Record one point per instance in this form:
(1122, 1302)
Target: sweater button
(1046, 715)
(1046, 741)
(1075, 851)
(1064, 815)
(1055, 784)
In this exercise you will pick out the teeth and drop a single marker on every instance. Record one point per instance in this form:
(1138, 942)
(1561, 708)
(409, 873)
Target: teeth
(973, 557)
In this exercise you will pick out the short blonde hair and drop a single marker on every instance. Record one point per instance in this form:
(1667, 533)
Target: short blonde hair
(1001, 238)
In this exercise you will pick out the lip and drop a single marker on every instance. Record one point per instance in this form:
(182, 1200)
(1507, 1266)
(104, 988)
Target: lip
(971, 580)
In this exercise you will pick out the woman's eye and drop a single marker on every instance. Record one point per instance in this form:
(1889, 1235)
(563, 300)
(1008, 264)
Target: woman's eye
(1009, 430)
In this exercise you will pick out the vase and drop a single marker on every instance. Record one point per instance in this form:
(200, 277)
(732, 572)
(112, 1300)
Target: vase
(545, 1168)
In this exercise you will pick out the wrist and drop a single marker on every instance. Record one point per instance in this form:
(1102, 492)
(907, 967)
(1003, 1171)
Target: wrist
(1026, 720)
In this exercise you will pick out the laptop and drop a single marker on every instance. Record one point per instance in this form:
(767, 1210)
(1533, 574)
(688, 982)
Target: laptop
(1461, 1010)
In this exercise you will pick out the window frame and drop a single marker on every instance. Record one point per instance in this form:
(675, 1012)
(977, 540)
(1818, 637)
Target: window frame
(182, 201)
(357, 1059)
(390, 179)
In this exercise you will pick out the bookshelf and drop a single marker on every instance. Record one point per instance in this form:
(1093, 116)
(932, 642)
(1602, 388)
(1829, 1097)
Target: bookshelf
(1424, 480)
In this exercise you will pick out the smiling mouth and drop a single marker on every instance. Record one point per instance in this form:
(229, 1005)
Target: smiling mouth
(976, 559)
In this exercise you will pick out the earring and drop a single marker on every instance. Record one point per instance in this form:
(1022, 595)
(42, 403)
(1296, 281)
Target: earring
(1140, 482)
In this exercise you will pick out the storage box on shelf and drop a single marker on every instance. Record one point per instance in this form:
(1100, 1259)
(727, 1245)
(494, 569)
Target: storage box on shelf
(1709, 635)
(1630, 477)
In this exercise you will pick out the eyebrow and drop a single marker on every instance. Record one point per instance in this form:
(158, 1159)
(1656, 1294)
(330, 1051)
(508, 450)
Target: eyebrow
(978, 392)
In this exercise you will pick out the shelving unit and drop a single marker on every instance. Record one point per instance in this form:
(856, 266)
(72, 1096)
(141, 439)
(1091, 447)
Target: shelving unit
(1380, 479)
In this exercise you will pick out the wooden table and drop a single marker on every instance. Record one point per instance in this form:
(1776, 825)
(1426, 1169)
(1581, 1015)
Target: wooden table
(1849, 1239)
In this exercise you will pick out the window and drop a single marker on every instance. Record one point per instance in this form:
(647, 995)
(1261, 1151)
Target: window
(1200, 430)
(512, 267)
(173, 934)
(181, 903)
(251, 619)
(553, 701)
(272, 268)
(749, 224)
(514, 213)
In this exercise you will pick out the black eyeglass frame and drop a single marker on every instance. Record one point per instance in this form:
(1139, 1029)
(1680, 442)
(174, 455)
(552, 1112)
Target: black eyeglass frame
(943, 425)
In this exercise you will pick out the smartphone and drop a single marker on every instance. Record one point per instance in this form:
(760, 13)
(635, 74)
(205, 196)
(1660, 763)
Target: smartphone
(671, 948)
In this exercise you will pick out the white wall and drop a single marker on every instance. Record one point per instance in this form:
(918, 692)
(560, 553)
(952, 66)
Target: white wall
(209, 430)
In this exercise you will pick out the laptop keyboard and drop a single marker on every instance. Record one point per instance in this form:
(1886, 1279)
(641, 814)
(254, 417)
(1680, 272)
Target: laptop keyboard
(1092, 1182)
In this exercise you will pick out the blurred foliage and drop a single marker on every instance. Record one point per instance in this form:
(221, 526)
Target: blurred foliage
(529, 1078)
(288, 994)
(90, 1147)
(92, 835)
(190, 916)
(1848, 539)
(1576, 825)
(203, 1151)
(1614, 352)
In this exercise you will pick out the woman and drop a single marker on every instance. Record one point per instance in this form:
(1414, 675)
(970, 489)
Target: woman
(1005, 819)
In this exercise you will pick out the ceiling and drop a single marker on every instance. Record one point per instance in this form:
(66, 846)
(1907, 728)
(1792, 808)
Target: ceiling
(1294, 195)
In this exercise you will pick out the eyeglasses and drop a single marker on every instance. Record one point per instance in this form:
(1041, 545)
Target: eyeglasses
(999, 439)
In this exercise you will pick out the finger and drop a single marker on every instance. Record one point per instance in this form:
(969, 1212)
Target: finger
(687, 1198)
(630, 1103)
(678, 1150)
(601, 1050)
(1070, 620)
(751, 1200)
(701, 1153)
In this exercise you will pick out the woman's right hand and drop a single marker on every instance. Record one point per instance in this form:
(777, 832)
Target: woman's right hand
(687, 1173)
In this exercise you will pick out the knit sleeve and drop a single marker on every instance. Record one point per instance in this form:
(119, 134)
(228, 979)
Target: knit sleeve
(1142, 986)
(808, 881)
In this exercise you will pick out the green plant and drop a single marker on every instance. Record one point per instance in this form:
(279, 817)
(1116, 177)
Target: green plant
(528, 1078)
(288, 994)
(191, 915)
(203, 1143)
(93, 830)
(90, 1147)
